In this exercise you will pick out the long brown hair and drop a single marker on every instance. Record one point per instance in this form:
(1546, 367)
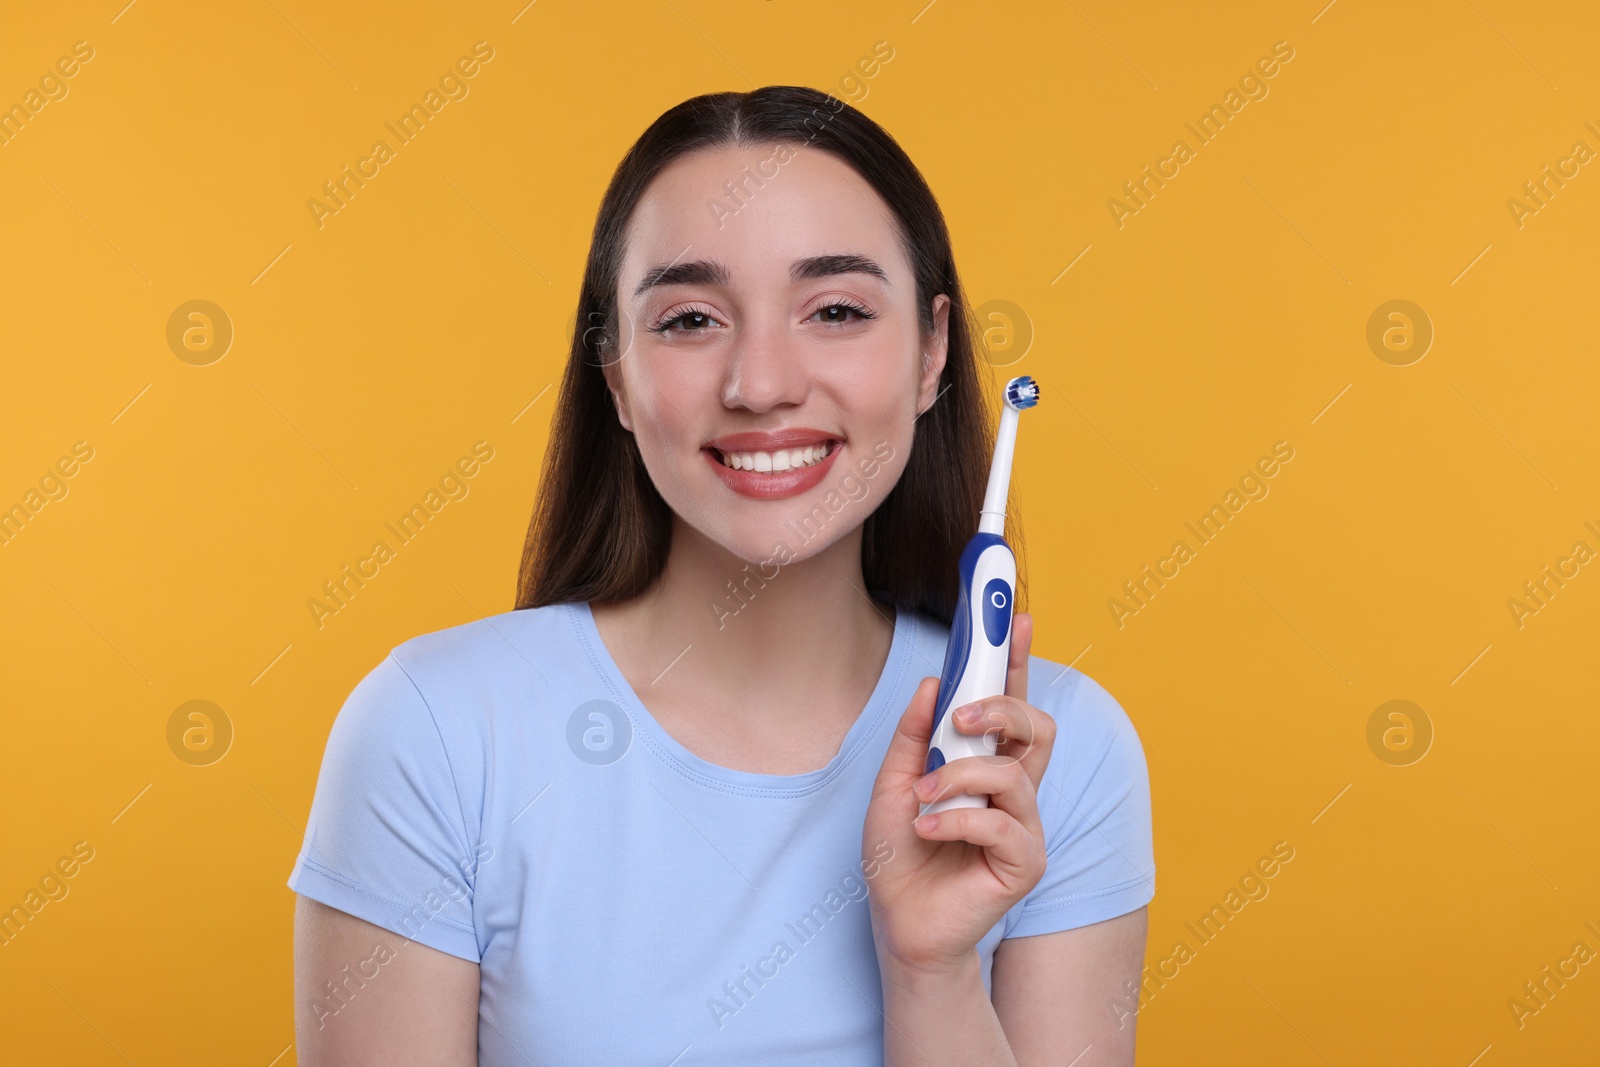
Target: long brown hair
(600, 531)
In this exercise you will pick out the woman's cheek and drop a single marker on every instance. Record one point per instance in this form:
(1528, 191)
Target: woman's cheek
(662, 454)
(881, 459)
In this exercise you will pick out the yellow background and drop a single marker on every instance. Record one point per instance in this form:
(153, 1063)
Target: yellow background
(1226, 315)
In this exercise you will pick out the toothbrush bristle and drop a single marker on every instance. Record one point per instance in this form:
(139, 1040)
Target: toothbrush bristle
(1022, 393)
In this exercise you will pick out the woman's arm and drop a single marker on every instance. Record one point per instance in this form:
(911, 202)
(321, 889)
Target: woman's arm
(1064, 995)
(365, 997)
(949, 877)
(1058, 999)
(941, 1019)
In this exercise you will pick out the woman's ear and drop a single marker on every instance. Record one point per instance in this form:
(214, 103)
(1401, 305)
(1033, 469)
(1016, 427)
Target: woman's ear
(618, 392)
(936, 349)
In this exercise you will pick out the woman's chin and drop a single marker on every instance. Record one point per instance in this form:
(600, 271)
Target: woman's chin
(763, 549)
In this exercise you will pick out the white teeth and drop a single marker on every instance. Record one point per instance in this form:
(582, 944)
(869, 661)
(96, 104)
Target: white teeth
(775, 462)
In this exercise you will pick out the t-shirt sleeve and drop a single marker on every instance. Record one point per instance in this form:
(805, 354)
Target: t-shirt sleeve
(1094, 804)
(386, 840)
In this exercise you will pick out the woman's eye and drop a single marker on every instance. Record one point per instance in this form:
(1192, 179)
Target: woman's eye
(841, 313)
(689, 321)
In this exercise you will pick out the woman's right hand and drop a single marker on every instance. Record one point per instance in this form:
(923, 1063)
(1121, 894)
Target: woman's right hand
(945, 884)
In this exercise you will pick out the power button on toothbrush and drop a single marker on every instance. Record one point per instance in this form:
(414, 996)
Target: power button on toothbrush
(996, 610)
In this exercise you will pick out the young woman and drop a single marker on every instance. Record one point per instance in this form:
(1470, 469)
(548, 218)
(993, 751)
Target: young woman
(665, 812)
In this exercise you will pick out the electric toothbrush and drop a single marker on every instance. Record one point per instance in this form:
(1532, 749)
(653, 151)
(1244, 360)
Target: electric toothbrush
(978, 653)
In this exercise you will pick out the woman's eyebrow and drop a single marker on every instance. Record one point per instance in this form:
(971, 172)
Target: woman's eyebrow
(695, 272)
(711, 272)
(823, 266)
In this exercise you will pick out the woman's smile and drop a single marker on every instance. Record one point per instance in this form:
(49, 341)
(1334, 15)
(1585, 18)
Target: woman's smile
(774, 465)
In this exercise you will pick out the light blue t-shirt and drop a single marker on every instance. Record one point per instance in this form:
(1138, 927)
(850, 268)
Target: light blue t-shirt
(497, 791)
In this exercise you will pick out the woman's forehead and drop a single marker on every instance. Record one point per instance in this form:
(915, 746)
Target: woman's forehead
(758, 210)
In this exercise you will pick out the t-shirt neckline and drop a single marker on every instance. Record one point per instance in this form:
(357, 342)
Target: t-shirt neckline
(663, 745)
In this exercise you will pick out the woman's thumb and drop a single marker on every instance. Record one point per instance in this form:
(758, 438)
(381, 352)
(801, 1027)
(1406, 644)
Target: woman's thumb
(908, 748)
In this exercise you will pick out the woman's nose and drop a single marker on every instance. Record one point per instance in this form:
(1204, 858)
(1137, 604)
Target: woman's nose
(766, 368)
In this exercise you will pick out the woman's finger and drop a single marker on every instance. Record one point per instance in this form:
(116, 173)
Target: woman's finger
(1024, 733)
(908, 748)
(1021, 647)
(1008, 843)
(1004, 781)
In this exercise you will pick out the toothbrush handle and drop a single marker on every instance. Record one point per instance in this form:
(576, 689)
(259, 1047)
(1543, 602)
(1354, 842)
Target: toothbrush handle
(976, 657)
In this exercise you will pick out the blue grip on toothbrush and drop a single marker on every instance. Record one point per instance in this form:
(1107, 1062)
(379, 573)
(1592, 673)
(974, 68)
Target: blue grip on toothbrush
(976, 656)
(958, 651)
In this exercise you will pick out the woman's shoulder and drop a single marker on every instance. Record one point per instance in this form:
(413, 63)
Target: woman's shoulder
(436, 702)
(1074, 699)
(1098, 762)
(464, 679)
(503, 646)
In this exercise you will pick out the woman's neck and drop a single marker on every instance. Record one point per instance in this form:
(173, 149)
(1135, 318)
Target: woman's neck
(769, 655)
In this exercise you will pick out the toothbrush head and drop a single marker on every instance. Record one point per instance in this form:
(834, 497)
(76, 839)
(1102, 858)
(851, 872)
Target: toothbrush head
(1022, 393)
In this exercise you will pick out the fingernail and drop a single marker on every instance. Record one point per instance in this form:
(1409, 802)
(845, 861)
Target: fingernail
(969, 714)
(927, 822)
(925, 785)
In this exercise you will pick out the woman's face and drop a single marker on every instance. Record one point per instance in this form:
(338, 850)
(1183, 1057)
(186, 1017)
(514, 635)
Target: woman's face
(771, 328)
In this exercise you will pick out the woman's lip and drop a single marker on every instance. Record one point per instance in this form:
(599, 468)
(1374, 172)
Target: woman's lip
(770, 440)
(761, 486)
